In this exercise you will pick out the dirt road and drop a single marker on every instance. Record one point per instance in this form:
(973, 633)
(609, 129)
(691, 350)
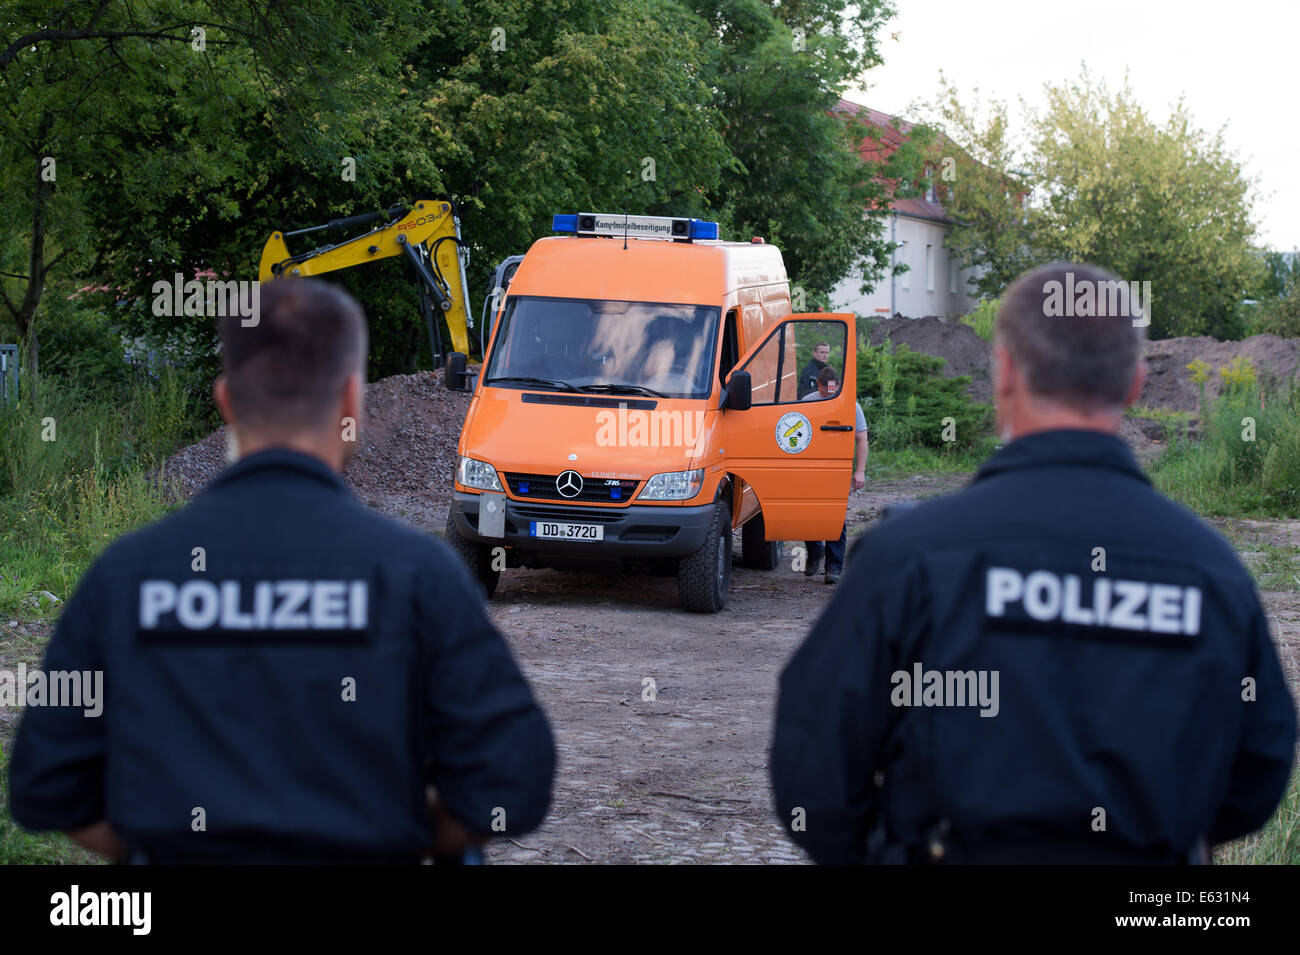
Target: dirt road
(682, 777)
(680, 774)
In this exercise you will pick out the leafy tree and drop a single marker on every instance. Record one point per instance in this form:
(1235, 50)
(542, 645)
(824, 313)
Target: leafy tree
(120, 136)
(798, 179)
(1103, 183)
(1281, 315)
(576, 105)
(173, 159)
(984, 187)
(907, 400)
(1277, 275)
(1165, 204)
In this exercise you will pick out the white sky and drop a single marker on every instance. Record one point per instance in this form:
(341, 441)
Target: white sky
(1234, 64)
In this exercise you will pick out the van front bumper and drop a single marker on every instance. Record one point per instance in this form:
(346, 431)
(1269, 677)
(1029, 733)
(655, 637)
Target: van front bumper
(638, 530)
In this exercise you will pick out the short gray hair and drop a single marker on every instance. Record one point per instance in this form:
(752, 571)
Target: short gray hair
(1086, 360)
(285, 372)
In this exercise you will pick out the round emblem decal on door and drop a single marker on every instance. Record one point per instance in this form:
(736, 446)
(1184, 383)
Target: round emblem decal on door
(793, 432)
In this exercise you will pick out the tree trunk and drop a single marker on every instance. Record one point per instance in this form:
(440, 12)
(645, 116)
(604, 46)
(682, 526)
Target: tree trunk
(36, 267)
(33, 363)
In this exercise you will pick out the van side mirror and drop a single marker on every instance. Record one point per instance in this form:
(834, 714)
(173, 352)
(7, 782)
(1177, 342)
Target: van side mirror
(740, 393)
(454, 377)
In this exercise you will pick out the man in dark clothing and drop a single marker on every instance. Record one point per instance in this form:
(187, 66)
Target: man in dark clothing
(808, 377)
(828, 386)
(288, 674)
(1056, 664)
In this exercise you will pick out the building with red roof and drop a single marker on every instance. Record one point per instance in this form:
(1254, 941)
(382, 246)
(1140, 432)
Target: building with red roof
(934, 284)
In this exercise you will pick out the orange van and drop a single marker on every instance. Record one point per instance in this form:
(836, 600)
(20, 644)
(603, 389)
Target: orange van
(645, 393)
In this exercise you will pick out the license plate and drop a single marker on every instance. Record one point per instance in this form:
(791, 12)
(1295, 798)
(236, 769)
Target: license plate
(553, 530)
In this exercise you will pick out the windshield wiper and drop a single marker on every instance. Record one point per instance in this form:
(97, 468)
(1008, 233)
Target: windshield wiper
(622, 390)
(525, 380)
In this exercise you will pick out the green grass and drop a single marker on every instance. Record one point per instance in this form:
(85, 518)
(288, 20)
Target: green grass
(1278, 843)
(981, 318)
(62, 501)
(1275, 568)
(1247, 462)
(17, 846)
(20, 847)
(1177, 422)
(889, 464)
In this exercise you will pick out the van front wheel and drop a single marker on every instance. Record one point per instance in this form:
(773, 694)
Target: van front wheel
(477, 557)
(704, 577)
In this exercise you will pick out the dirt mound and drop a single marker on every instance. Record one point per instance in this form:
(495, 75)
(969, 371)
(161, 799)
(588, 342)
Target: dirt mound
(963, 350)
(1169, 383)
(404, 465)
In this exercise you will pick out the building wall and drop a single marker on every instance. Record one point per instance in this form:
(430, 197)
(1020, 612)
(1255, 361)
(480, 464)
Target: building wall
(926, 289)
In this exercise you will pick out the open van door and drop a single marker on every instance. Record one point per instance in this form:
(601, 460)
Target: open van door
(793, 446)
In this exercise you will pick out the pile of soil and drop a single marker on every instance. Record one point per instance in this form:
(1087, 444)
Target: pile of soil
(964, 351)
(403, 466)
(412, 423)
(1169, 383)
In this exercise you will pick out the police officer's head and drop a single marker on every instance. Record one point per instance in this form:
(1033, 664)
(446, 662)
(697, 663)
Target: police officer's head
(1067, 350)
(294, 378)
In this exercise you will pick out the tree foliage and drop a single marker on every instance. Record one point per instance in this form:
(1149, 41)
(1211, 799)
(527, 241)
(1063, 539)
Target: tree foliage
(174, 158)
(1165, 203)
(984, 189)
(907, 400)
(132, 133)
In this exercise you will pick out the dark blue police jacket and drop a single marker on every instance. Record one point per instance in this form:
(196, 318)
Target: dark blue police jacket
(290, 700)
(1056, 658)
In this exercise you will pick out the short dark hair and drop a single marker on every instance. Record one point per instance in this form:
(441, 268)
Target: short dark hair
(285, 371)
(827, 375)
(1084, 359)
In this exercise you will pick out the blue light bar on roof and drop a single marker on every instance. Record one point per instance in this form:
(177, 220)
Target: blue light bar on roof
(638, 227)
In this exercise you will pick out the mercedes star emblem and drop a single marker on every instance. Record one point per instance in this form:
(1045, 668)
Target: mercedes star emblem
(569, 484)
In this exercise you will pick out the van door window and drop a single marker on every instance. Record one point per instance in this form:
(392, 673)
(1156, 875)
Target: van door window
(730, 348)
(803, 361)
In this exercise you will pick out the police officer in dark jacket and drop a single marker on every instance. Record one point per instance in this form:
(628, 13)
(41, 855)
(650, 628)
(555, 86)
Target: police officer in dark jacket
(1054, 665)
(288, 676)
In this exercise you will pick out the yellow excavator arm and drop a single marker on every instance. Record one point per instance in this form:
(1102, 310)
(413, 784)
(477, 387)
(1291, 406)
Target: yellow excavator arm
(428, 234)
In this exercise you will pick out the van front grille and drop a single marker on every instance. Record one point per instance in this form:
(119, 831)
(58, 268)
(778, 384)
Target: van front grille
(594, 490)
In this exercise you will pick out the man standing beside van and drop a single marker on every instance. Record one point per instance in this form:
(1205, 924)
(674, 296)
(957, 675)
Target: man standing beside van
(828, 386)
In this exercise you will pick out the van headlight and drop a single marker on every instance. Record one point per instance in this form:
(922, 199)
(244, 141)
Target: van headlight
(478, 474)
(673, 486)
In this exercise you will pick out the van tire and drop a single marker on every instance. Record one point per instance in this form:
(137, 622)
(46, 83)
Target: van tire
(704, 577)
(755, 552)
(477, 557)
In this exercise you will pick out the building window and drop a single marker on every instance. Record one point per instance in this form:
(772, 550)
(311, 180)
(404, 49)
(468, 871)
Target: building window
(952, 273)
(905, 280)
(929, 267)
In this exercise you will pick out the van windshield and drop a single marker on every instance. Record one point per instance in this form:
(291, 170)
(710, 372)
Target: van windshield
(572, 344)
